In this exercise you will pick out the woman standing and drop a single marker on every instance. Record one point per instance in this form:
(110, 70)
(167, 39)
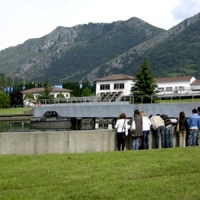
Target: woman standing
(138, 130)
(146, 125)
(122, 131)
(181, 128)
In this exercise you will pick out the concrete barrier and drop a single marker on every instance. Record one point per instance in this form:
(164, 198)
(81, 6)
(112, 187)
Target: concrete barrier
(60, 142)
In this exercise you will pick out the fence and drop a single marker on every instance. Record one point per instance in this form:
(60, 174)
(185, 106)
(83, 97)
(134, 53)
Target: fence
(170, 98)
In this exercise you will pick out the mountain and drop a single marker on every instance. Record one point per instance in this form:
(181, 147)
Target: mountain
(95, 50)
(171, 53)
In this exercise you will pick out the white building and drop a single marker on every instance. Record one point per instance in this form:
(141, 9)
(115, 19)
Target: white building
(175, 84)
(195, 86)
(55, 91)
(116, 83)
(121, 84)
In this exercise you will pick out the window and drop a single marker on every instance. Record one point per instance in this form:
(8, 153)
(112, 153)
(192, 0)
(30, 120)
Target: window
(168, 89)
(181, 88)
(118, 86)
(104, 87)
(161, 89)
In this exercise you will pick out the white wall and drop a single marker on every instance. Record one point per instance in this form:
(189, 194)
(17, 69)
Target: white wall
(66, 94)
(175, 86)
(126, 91)
(180, 87)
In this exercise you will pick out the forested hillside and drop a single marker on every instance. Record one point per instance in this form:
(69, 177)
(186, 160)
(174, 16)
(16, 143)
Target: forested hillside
(90, 51)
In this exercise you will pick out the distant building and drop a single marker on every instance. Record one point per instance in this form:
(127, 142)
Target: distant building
(175, 84)
(195, 86)
(122, 84)
(116, 83)
(55, 91)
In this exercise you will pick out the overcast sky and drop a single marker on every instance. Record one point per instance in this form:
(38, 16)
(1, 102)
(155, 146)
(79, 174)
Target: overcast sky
(21, 20)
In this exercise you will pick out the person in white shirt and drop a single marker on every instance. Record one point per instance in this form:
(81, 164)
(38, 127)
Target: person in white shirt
(122, 131)
(146, 126)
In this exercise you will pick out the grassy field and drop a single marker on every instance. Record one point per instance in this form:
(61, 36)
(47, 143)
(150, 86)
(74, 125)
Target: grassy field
(8, 111)
(144, 175)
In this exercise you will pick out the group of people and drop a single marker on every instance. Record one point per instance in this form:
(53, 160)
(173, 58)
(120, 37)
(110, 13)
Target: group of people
(140, 126)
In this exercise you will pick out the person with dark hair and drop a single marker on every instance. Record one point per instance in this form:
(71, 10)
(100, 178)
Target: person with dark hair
(158, 126)
(122, 131)
(137, 118)
(168, 131)
(194, 125)
(182, 129)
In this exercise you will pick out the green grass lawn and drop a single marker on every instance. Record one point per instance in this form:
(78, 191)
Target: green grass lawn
(145, 174)
(8, 111)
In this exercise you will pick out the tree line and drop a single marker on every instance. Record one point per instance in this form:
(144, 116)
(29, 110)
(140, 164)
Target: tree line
(144, 85)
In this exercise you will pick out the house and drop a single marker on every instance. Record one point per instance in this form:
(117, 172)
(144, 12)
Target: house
(174, 84)
(121, 83)
(115, 83)
(195, 86)
(55, 91)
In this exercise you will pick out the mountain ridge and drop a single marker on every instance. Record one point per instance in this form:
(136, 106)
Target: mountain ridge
(88, 51)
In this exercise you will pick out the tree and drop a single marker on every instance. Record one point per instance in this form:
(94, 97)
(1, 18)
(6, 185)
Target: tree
(29, 96)
(47, 90)
(60, 95)
(86, 92)
(4, 100)
(145, 86)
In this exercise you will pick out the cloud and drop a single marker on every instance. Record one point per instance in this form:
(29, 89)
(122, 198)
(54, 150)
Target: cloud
(186, 9)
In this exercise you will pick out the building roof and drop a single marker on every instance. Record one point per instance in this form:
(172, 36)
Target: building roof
(196, 82)
(114, 77)
(173, 79)
(39, 90)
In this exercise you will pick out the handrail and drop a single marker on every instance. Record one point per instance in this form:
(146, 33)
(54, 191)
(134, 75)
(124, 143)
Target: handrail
(175, 97)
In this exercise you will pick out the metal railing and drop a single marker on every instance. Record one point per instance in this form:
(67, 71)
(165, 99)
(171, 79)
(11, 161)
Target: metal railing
(132, 99)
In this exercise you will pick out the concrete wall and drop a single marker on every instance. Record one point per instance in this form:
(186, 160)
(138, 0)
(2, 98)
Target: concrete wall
(63, 142)
(113, 109)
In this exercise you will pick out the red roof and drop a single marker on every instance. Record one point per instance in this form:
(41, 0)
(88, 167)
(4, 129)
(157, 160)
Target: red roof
(114, 77)
(39, 90)
(173, 79)
(196, 82)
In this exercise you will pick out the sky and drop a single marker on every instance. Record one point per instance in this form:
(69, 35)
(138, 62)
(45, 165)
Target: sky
(21, 20)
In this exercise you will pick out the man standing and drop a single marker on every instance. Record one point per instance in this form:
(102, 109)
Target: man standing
(168, 131)
(194, 125)
(198, 134)
(159, 129)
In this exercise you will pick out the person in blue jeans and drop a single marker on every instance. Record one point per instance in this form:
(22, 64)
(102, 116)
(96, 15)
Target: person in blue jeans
(158, 129)
(146, 127)
(168, 131)
(194, 126)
